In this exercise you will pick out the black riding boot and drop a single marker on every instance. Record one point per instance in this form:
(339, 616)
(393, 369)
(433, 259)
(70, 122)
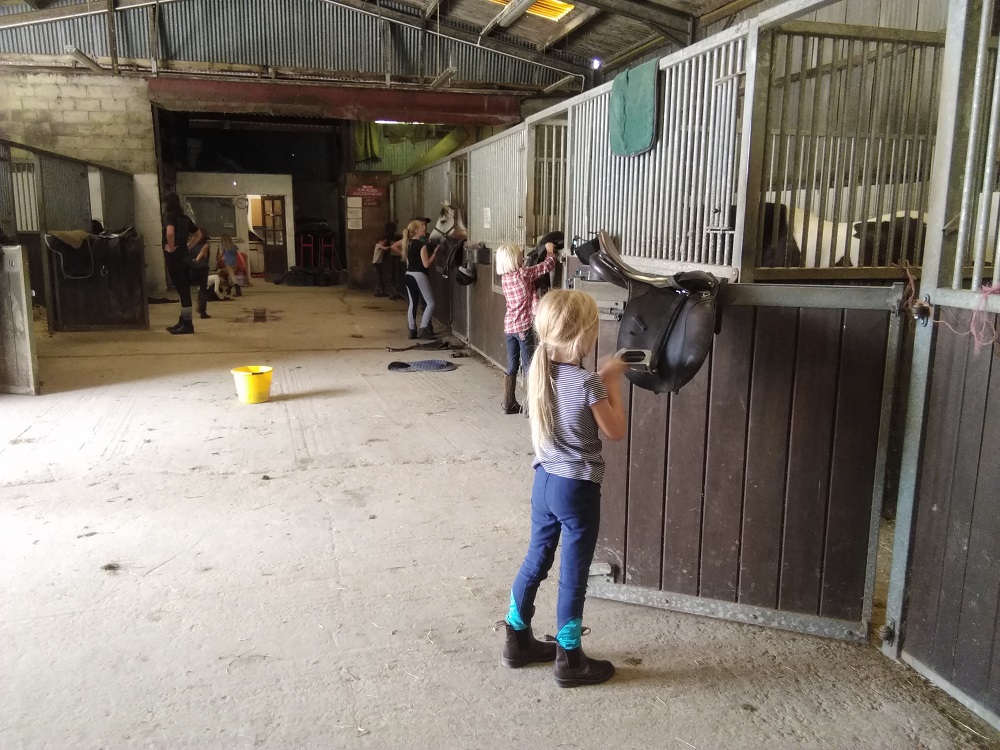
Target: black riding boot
(574, 668)
(425, 333)
(520, 647)
(177, 325)
(510, 405)
(186, 326)
(413, 333)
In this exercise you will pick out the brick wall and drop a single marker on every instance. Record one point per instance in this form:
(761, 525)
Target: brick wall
(102, 119)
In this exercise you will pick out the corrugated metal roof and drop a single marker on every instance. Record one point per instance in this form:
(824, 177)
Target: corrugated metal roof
(311, 34)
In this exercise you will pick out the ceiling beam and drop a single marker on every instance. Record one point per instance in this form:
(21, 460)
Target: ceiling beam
(729, 9)
(574, 25)
(431, 9)
(635, 51)
(336, 102)
(655, 15)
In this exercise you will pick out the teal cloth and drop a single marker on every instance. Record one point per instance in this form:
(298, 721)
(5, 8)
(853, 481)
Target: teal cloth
(632, 110)
(569, 634)
(514, 615)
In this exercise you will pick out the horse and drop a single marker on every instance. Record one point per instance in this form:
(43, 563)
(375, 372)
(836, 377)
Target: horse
(450, 233)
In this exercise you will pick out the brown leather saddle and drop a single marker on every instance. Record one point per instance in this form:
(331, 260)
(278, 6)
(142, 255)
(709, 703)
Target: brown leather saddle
(674, 317)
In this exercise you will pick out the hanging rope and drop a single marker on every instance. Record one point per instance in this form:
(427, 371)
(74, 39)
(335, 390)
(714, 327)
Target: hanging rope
(982, 326)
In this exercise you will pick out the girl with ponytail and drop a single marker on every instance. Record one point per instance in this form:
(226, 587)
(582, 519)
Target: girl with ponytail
(566, 406)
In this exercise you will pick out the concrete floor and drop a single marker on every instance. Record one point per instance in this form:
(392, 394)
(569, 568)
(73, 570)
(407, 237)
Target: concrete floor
(325, 570)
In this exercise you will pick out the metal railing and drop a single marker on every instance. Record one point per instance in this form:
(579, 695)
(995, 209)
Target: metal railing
(549, 178)
(674, 202)
(850, 125)
(25, 200)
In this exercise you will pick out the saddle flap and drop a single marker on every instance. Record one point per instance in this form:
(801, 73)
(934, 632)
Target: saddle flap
(677, 325)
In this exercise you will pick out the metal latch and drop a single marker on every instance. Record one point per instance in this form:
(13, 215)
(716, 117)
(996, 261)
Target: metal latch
(610, 309)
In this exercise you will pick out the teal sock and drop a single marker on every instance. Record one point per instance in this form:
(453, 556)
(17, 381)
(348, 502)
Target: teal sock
(514, 615)
(569, 634)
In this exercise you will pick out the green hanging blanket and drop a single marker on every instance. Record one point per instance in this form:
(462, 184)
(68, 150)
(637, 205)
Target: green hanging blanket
(632, 110)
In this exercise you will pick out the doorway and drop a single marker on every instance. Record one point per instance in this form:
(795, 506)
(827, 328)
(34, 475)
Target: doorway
(275, 256)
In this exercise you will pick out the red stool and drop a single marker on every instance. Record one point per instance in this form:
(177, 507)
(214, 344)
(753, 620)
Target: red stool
(305, 244)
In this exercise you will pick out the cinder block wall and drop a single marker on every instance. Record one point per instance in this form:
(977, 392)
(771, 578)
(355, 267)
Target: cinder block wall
(103, 119)
(106, 120)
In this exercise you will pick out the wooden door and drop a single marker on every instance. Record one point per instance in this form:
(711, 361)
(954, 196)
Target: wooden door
(275, 252)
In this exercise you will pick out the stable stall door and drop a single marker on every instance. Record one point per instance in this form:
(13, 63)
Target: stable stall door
(275, 253)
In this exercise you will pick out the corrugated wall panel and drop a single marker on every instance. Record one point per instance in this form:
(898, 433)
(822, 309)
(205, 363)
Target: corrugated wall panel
(436, 189)
(672, 202)
(497, 186)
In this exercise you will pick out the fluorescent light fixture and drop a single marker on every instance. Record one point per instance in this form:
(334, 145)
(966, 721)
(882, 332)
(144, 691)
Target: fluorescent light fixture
(596, 63)
(396, 122)
(81, 58)
(443, 77)
(558, 84)
(550, 9)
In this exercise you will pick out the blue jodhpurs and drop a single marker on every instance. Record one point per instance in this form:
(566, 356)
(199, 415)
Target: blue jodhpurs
(520, 350)
(572, 508)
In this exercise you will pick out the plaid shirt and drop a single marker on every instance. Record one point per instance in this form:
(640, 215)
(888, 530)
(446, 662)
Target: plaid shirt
(519, 292)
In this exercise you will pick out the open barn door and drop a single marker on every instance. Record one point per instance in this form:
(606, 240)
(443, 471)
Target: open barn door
(754, 493)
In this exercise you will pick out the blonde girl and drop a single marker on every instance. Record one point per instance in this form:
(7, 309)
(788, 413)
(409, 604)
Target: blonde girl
(518, 284)
(567, 405)
(418, 260)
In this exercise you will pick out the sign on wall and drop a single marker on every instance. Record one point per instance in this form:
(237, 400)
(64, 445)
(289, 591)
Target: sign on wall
(371, 195)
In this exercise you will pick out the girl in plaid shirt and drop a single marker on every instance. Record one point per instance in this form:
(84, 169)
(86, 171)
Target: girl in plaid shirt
(518, 284)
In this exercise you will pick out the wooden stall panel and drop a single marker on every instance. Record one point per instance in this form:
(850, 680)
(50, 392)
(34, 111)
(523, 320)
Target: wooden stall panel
(856, 427)
(460, 310)
(976, 636)
(732, 356)
(767, 455)
(644, 528)
(814, 398)
(614, 490)
(685, 485)
(18, 363)
(953, 615)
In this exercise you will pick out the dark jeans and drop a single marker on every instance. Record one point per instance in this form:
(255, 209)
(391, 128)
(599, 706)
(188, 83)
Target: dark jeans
(571, 507)
(379, 280)
(180, 277)
(520, 350)
(199, 277)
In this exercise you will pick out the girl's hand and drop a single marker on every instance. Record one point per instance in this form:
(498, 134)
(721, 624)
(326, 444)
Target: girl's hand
(550, 247)
(611, 366)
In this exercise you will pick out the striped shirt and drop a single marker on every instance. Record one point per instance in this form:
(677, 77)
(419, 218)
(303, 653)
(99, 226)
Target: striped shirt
(574, 451)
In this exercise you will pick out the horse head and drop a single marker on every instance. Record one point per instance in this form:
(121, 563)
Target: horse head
(450, 223)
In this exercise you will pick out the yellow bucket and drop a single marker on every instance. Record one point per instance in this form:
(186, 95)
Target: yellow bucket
(253, 383)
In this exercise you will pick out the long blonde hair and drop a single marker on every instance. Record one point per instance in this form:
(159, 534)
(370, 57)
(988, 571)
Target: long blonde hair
(566, 324)
(510, 257)
(411, 229)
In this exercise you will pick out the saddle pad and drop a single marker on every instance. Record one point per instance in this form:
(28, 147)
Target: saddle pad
(632, 110)
(422, 365)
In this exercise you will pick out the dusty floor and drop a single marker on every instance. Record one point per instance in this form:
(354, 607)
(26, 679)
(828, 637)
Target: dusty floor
(325, 570)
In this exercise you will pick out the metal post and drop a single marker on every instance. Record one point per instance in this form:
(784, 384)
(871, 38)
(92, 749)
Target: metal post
(112, 37)
(530, 158)
(748, 205)
(946, 185)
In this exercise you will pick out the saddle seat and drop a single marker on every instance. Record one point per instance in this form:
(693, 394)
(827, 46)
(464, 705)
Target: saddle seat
(674, 317)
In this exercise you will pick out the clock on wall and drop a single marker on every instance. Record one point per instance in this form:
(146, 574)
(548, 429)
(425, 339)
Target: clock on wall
(241, 202)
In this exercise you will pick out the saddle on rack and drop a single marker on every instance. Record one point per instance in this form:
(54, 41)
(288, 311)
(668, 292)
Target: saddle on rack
(674, 317)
